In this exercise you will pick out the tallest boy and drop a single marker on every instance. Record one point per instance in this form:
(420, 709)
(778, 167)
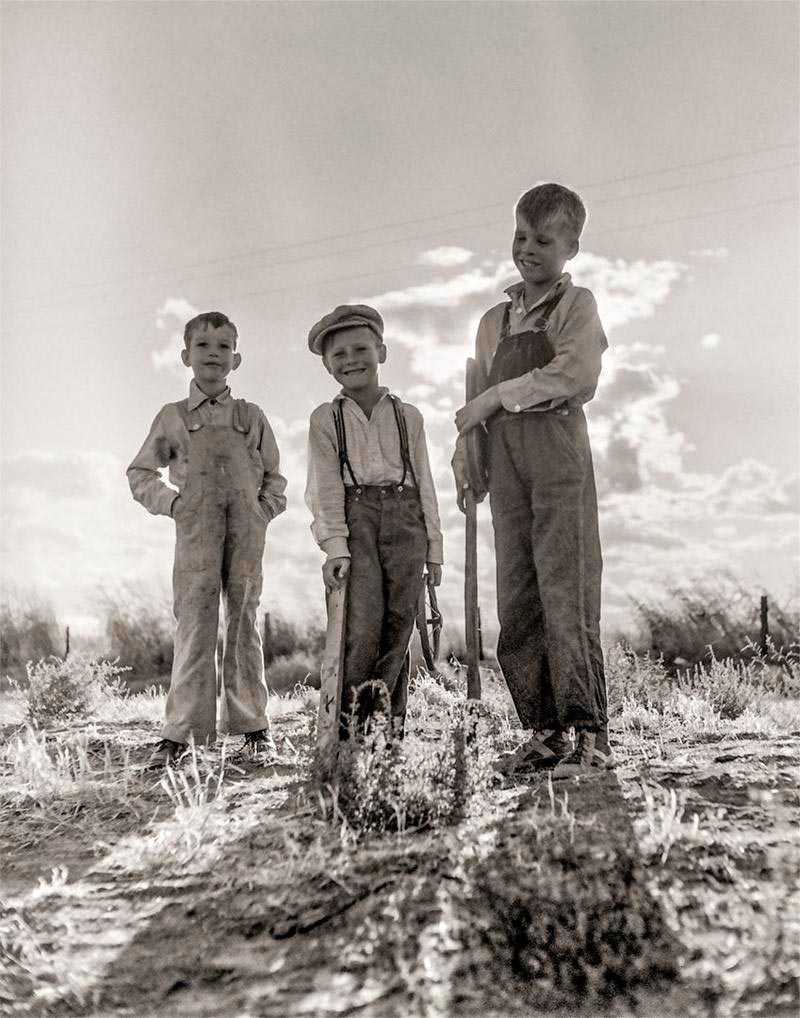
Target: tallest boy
(538, 361)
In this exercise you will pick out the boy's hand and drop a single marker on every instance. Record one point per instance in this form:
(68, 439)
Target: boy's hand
(478, 410)
(334, 573)
(461, 484)
(434, 572)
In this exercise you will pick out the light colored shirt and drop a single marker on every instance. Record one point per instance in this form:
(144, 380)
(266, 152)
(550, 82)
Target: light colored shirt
(167, 445)
(577, 336)
(373, 448)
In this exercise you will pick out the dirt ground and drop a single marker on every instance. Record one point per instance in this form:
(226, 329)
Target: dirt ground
(668, 887)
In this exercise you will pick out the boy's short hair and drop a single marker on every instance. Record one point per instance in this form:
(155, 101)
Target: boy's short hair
(214, 319)
(547, 200)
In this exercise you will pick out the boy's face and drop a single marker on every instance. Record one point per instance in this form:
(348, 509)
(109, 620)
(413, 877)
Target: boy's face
(353, 355)
(211, 355)
(541, 250)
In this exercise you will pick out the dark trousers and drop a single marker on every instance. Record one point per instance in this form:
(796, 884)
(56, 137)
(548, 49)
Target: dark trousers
(388, 545)
(547, 547)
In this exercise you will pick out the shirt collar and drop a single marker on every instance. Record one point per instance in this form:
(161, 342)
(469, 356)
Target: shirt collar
(517, 293)
(197, 397)
(383, 390)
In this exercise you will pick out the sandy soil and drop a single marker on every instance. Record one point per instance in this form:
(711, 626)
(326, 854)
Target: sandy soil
(605, 894)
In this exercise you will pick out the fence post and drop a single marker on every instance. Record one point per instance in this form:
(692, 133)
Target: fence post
(66, 644)
(267, 640)
(764, 636)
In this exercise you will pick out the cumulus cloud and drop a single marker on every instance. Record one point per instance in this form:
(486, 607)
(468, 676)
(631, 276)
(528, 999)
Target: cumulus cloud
(445, 257)
(168, 358)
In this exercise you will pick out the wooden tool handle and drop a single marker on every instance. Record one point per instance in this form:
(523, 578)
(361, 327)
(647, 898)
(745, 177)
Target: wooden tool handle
(330, 685)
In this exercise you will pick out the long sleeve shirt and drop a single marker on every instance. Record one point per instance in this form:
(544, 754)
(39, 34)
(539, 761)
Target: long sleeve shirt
(577, 335)
(373, 448)
(167, 445)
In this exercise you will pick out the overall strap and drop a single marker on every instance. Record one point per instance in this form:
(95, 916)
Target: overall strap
(241, 416)
(341, 442)
(548, 308)
(402, 431)
(505, 324)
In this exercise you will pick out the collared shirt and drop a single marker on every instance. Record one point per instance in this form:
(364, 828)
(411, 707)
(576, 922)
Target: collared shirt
(577, 336)
(373, 448)
(167, 445)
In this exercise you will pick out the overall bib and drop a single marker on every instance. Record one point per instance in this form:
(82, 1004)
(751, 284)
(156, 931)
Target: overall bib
(547, 548)
(220, 530)
(388, 545)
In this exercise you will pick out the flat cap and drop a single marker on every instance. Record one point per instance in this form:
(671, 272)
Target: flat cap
(344, 317)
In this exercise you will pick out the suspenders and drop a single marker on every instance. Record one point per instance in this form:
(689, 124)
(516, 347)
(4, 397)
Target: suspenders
(402, 432)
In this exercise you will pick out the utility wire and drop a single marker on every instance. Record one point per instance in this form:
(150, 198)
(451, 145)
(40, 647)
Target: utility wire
(349, 278)
(277, 249)
(433, 235)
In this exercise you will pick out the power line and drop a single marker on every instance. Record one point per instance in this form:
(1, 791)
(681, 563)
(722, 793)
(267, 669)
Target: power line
(433, 235)
(320, 283)
(277, 249)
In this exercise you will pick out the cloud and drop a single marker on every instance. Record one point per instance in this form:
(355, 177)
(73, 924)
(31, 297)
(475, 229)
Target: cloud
(711, 340)
(445, 257)
(168, 358)
(625, 290)
(710, 252)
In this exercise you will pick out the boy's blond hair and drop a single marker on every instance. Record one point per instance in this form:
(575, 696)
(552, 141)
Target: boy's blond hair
(547, 200)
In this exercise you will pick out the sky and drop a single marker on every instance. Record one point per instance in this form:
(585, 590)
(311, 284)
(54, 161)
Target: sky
(273, 160)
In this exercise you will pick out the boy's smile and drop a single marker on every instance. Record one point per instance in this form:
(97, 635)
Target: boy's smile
(540, 252)
(353, 356)
(212, 356)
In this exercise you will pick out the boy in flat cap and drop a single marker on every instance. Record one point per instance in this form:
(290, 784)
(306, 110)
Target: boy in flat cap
(538, 361)
(223, 461)
(371, 494)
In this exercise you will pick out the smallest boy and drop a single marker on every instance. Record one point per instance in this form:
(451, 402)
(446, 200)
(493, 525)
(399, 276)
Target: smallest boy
(223, 461)
(372, 497)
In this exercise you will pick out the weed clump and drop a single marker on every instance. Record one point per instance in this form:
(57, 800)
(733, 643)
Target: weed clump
(28, 630)
(634, 677)
(388, 784)
(290, 670)
(67, 689)
(139, 628)
(692, 623)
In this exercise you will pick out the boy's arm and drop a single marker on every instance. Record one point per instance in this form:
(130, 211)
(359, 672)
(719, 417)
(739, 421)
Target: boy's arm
(427, 494)
(480, 381)
(144, 475)
(324, 488)
(575, 368)
(271, 496)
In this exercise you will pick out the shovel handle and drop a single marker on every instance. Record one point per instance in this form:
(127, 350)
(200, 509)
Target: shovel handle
(330, 684)
(471, 624)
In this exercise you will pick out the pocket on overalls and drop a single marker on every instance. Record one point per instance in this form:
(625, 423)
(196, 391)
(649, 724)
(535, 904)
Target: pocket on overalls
(413, 530)
(568, 439)
(193, 542)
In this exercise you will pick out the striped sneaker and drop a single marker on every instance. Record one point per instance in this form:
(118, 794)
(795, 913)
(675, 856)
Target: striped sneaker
(166, 753)
(592, 753)
(260, 745)
(542, 749)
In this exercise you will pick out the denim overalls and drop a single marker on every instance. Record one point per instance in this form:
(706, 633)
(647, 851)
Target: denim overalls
(547, 547)
(388, 545)
(219, 546)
